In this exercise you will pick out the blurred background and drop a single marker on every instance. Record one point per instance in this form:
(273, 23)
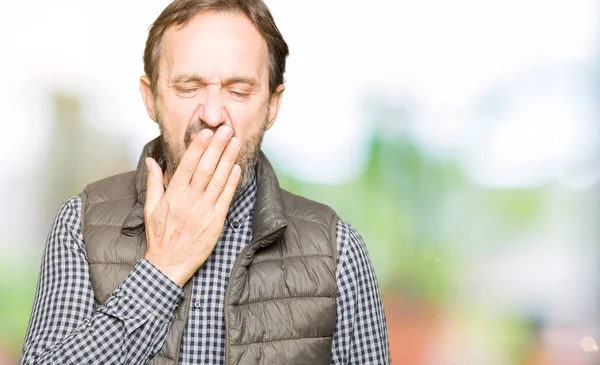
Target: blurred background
(460, 137)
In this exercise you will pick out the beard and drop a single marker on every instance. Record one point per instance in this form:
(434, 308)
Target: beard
(173, 150)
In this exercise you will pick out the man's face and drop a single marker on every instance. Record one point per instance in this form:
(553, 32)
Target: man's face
(213, 71)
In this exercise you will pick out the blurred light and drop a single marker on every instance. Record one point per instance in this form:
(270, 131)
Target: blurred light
(544, 135)
(588, 344)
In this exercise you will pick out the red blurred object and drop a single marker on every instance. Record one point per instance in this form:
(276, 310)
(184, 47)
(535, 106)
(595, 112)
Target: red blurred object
(6, 358)
(411, 328)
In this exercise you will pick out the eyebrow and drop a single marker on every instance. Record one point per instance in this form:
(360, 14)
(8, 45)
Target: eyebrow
(189, 78)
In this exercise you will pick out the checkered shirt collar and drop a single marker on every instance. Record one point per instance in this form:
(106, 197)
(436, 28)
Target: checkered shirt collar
(242, 207)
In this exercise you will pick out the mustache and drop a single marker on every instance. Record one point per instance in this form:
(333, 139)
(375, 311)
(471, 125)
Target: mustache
(194, 128)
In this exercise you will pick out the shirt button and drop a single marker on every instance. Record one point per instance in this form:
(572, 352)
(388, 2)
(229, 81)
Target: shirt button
(236, 224)
(197, 305)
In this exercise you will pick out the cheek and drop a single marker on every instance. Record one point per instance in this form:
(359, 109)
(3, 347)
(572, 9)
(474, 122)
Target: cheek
(246, 119)
(176, 114)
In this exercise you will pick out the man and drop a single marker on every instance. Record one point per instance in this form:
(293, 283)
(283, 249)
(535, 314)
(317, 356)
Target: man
(198, 257)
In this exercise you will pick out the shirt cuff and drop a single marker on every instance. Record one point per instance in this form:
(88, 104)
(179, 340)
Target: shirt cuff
(153, 290)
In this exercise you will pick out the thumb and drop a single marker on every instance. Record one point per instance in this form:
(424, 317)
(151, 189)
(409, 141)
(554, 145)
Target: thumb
(154, 186)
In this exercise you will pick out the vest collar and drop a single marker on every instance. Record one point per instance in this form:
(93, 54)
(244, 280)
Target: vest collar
(268, 219)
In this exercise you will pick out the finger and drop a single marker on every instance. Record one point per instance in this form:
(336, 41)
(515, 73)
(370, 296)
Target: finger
(183, 175)
(219, 180)
(224, 201)
(154, 186)
(208, 163)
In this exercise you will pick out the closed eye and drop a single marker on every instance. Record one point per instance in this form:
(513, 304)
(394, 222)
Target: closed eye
(188, 91)
(239, 95)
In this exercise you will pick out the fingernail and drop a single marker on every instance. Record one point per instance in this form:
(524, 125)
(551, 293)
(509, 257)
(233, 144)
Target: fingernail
(227, 130)
(206, 134)
(148, 164)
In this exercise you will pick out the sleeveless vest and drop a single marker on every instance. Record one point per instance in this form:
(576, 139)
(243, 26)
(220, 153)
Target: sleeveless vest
(280, 303)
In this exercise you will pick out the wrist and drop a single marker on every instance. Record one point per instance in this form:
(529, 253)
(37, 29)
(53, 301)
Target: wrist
(147, 287)
(175, 272)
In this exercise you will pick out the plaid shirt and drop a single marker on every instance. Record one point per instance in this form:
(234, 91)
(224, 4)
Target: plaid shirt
(66, 326)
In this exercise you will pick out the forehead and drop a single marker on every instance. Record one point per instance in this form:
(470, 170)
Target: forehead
(215, 44)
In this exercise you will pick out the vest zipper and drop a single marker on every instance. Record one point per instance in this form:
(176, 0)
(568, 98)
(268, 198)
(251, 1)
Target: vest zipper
(236, 263)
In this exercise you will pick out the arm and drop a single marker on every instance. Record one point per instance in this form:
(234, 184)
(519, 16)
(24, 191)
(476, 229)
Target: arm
(360, 332)
(66, 327)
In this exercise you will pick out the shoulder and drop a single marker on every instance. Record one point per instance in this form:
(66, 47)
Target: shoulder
(352, 250)
(66, 230)
(299, 207)
(109, 199)
(70, 210)
(348, 234)
(120, 185)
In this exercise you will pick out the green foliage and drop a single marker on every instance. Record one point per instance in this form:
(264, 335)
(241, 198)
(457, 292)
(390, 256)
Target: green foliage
(17, 289)
(417, 214)
(394, 204)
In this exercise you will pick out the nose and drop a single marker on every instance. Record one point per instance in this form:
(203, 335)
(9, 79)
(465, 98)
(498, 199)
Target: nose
(212, 109)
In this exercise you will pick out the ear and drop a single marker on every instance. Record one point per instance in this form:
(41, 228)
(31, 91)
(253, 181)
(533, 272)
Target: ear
(148, 96)
(274, 105)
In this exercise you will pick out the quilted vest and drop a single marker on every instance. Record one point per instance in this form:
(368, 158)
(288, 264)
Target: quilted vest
(280, 303)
